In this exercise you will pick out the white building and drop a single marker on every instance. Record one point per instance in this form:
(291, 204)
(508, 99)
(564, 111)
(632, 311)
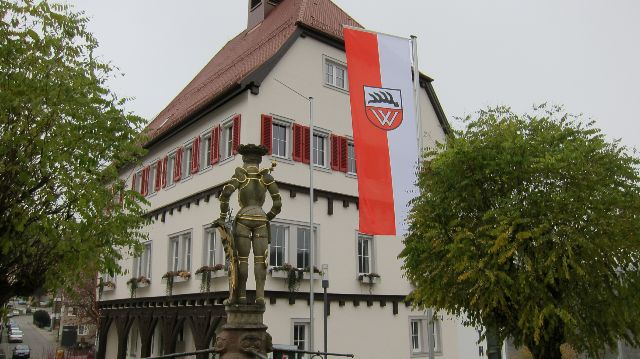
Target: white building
(238, 97)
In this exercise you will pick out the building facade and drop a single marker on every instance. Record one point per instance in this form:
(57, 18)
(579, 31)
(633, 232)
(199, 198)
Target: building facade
(247, 94)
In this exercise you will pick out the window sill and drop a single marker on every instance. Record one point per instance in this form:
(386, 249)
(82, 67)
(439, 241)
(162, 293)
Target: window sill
(228, 159)
(205, 170)
(351, 175)
(368, 280)
(186, 179)
(336, 88)
(285, 274)
(279, 159)
(321, 169)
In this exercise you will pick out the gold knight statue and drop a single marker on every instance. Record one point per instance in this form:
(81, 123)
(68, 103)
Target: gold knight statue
(250, 227)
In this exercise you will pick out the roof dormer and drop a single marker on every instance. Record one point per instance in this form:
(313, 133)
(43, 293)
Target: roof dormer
(259, 10)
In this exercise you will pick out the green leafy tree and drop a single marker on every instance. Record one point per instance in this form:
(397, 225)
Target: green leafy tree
(63, 135)
(530, 225)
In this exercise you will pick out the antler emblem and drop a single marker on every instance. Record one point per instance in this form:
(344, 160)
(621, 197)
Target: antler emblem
(382, 97)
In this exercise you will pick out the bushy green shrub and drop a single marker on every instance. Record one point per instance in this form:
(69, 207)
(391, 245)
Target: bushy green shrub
(41, 318)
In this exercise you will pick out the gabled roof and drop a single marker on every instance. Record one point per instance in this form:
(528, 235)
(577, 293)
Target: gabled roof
(245, 54)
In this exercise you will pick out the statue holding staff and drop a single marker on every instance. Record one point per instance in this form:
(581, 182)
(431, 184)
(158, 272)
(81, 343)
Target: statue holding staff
(250, 227)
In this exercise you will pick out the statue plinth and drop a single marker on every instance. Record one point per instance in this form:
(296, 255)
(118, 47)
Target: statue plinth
(244, 334)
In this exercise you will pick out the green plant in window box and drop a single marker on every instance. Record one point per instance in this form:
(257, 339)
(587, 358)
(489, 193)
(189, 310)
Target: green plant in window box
(206, 272)
(133, 285)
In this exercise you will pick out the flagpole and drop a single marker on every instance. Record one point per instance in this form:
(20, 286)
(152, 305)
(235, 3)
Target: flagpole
(416, 93)
(312, 251)
(311, 234)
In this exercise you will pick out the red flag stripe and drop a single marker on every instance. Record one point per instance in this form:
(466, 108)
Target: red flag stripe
(372, 149)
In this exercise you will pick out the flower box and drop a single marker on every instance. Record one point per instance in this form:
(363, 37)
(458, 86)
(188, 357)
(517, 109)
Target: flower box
(370, 278)
(285, 274)
(216, 274)
(143, 284)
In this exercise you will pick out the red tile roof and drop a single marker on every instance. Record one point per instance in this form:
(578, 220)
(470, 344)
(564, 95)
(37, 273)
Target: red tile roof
(245, 53)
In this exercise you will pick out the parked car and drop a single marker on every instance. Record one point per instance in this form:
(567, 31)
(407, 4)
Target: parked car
(21, 351)
(15, 335)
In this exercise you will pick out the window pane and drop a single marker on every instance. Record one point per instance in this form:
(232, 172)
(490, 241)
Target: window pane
(279, 143)
(228, 140)
(152, 178)
(186, 163)
(329, 73)
(351, 158)
(206, 151)
(303, 248)
(299, 338)
(174, 254)
(277, 247)
(211, 249)
(340, 77)
(187, 252)
(363, 255)
(169, 170)
(318, 150)
(415, 336)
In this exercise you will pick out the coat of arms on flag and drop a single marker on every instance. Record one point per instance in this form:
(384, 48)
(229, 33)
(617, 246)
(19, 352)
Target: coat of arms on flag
(383, 107)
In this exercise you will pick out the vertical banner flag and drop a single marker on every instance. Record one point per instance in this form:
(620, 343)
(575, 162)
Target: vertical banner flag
(384, 128)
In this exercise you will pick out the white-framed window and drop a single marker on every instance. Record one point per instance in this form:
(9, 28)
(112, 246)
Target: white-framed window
(226, 143)
(319, 149)
(351, 158)
(187, 158)
(365, 250)
(142, 263)
(180, 252)
(290, 243)
(83, 329)
(278, 246)
(417, 335)
(280, 139)
(300, 336)
(213, 251)
(205, 151)
(171, 161)
(152, 178)
(419, 338)
(138, 182)
(335, 74)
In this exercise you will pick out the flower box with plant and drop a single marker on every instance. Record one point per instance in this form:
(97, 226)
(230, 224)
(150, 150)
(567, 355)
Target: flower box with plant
(172, 277)
(206, 273)
(294, 275)
(369, 278)
(137, 282)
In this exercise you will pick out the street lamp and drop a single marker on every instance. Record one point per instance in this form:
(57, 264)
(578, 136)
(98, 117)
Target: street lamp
(325, 285)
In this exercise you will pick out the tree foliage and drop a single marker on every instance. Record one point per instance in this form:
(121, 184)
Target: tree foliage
(530, 224)
(63, 134)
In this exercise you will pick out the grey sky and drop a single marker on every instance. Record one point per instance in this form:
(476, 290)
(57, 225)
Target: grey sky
(584, 54)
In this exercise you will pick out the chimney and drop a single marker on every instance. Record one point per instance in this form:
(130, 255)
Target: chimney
(259, 10)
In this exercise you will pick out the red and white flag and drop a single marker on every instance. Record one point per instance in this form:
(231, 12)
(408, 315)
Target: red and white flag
(384, 128)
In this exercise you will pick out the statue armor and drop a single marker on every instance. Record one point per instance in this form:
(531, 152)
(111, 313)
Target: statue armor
(250, 227)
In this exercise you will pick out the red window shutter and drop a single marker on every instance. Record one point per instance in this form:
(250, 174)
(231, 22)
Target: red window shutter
(158, 183)
(133, 182)
(215, 145)
(343, 154)
(266, 136)
(236, 134)
(297, 142)
(195, 155)
(165, 162)
(306, 148)
(177, 169)
(335, 152)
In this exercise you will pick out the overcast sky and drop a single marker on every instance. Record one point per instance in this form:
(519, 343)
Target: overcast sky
(584, 54)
